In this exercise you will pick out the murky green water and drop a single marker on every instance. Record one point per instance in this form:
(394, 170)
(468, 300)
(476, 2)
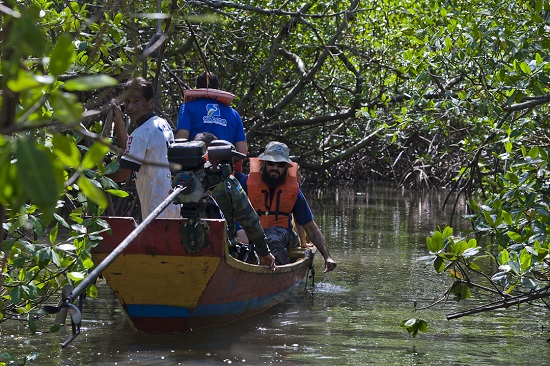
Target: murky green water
(351, 318)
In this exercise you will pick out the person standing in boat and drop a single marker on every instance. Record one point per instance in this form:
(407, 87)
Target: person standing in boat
(207, 114)
(275, 194)
(235, 206)
(145, 149)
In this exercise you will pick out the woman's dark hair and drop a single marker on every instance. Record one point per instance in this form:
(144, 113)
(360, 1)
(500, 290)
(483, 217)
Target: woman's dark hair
(209, 81)
(205, 137)
(142, 84)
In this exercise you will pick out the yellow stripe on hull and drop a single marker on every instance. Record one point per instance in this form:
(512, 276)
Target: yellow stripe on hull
(159, 280)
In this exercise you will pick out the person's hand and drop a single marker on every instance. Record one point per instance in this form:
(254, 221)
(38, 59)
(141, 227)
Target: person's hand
(330, 264)
(118, 116)
(268, 260)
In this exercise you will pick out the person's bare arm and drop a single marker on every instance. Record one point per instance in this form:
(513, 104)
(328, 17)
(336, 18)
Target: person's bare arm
(241, 236)
(120, 175)
(242, 147)
(319, 241)
(182, 134)
(121, 132)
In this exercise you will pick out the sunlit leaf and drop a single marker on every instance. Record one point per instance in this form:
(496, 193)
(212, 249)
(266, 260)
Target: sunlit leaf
(92, 192)
(447, 232)
(10, 189)
(76, 276)
(66, 247)
(525, 68)
(413, 326)
(92, 82)
(470, 252)
(118, 192)
(66, 151)
(63, 55)
(435, 243)
(94, 155)
(525, 260)
(92, 292)
(503, 257)
(507, 218)
(27, 80)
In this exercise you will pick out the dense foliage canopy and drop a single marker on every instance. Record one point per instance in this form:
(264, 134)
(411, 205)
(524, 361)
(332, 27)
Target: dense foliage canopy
(425, 94)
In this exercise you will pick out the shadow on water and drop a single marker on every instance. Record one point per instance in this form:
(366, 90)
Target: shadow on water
(351, 317)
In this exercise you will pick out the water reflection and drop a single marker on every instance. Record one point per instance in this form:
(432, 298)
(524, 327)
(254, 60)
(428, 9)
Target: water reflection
(351, 317)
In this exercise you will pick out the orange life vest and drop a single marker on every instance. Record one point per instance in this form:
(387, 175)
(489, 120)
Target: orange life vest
(219, 95)
(275, 210)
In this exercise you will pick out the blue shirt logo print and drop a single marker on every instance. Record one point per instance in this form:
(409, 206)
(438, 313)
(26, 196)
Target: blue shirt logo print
(213, 110)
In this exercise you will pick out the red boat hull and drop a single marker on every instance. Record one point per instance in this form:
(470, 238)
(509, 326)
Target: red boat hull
(165, 287)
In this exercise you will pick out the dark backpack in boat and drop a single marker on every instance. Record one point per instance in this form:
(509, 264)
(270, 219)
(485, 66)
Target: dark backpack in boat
(245, 252)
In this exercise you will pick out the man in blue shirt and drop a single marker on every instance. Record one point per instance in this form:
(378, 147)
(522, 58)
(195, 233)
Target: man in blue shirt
(275, 194)
(210, 115)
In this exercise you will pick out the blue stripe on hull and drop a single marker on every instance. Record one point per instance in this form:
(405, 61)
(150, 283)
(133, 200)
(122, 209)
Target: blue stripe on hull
(157, 311)
(223, 309)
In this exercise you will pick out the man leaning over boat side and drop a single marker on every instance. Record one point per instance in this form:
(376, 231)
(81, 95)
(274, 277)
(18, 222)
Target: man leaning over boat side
(275, 194)
(234, 204)
(146, 148)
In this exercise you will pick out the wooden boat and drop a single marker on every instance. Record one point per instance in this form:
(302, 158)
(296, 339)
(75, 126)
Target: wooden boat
(177, 275)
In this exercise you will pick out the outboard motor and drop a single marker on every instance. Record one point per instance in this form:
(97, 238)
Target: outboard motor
(199, 170)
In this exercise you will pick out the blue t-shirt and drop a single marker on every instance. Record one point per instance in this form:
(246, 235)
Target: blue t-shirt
(209, 115)
(301, 211)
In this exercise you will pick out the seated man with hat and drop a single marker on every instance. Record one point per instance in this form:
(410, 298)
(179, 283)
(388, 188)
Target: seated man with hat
(275, 194)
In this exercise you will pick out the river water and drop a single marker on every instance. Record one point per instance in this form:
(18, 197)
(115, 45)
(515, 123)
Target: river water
(351, 316)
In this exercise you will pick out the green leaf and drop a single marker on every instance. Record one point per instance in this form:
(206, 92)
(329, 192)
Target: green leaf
(62, 221)
(44, 257)
(66, 151)
(435, 243)
(92, 192)
(53, 233)
(67, 108)
(27, 80)
(413, 326)
(76, 276)
(66, 247)
(525, 259)
(27, 36)
(507, 218)
(38, 176)
(529, 283)
(9, 357)
(90, 83)
(94, 155)
(525, 68)
(461, 291)
(118, 192)
(503, 257)
(10, 188)
(474, 266)
(439, 264)
(92, 292)
(63, 55)
(31, 323)
(55, 328)
(470, 252)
